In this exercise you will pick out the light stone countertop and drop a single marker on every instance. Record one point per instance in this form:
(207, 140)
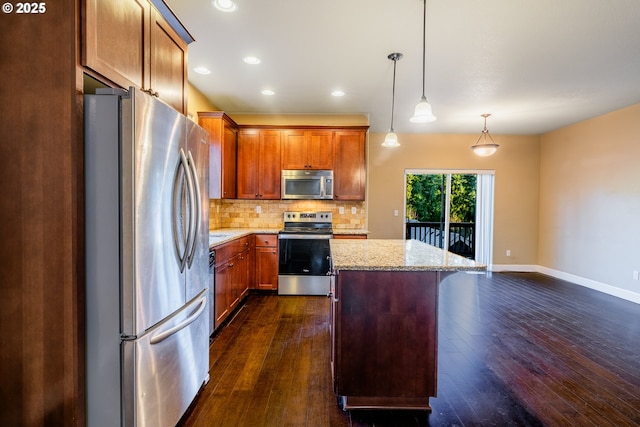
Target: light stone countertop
(395, 255)
(219, 236)
(350, 231)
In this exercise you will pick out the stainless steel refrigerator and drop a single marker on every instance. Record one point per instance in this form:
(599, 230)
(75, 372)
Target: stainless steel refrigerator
(146, 183)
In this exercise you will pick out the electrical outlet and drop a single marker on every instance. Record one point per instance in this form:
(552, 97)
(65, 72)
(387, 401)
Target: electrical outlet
(341, 209)
(395, 212)
(354, 210)
(508, 252)
(636, 275)
(258, 209)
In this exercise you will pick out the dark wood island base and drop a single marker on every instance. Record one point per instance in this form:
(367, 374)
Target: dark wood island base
(384, 322)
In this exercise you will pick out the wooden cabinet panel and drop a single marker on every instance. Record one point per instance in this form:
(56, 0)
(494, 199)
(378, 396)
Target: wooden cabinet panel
(269, 165)
(168, 63)
(320, 149)
(349, 236)
(247, 172)
(222, 284)
(266, 262)
(267, 268)
(233, 292)
(223, 143)
(258, 174)
(349, 165)
(294, 150)
(228, 162)
(307, 149)
(116, 39)
(251, 264)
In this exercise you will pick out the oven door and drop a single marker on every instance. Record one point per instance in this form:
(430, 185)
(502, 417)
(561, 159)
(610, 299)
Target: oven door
(303, 264)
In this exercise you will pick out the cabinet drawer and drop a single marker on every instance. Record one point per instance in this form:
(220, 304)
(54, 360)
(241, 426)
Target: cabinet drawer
(227, 251)
(266, 240)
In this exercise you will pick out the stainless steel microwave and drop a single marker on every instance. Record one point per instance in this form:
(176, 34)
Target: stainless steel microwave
(307, 184)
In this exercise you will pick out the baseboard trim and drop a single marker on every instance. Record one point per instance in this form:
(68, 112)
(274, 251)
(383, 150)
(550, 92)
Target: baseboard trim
(582, 281)
(520, 268)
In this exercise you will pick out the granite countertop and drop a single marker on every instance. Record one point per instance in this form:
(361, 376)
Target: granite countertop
(219, 236)
(396, 255)
(350, 231)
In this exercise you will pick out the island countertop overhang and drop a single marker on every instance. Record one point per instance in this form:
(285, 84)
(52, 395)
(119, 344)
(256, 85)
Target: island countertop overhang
(395, 255)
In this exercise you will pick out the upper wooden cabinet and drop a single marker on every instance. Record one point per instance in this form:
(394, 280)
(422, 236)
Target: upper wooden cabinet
(307, 149)
(258, 174)
(349, 169)
(168, 58)
(223, 143)
(129, 43)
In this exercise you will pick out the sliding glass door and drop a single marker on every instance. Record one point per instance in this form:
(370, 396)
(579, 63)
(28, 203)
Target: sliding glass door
(452, 210)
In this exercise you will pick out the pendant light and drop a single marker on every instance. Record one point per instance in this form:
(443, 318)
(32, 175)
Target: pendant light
(485, 149)
(391, 140)
(423, 112)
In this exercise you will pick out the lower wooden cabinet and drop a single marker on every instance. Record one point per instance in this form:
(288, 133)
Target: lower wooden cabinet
(266, 262)
(249, 262)
(231, 277)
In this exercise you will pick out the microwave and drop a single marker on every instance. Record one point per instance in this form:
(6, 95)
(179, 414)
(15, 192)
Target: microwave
(307, 184)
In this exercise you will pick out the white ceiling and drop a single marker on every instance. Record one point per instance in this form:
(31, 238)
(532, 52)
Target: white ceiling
(535, 65)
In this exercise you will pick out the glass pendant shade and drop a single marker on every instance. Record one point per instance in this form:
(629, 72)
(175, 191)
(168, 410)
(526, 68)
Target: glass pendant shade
(423, 112)
(391, 140)
(485, 149)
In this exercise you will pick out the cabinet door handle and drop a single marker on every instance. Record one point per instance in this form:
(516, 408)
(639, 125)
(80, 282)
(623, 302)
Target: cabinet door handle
(151, 92)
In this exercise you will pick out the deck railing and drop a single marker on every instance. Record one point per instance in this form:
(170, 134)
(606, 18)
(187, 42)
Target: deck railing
(462, 236)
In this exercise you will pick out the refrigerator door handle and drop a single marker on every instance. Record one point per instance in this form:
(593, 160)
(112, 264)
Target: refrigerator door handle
(195, 208)
(176, 212)
(191, 233)
(163, 335)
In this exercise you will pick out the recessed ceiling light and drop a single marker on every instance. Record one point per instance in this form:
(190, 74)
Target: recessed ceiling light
(202, 70)
(337, 93)
(251, 60)
(224, 5)
(268, 92)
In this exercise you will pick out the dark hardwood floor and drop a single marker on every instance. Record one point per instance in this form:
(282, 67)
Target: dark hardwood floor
(515, 349)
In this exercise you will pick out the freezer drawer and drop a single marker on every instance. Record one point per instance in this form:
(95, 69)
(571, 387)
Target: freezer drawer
(165, 368)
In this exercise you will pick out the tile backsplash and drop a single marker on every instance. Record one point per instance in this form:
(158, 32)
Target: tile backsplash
(234, 213)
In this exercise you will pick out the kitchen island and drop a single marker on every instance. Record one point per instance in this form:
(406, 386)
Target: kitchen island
(384, 321)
